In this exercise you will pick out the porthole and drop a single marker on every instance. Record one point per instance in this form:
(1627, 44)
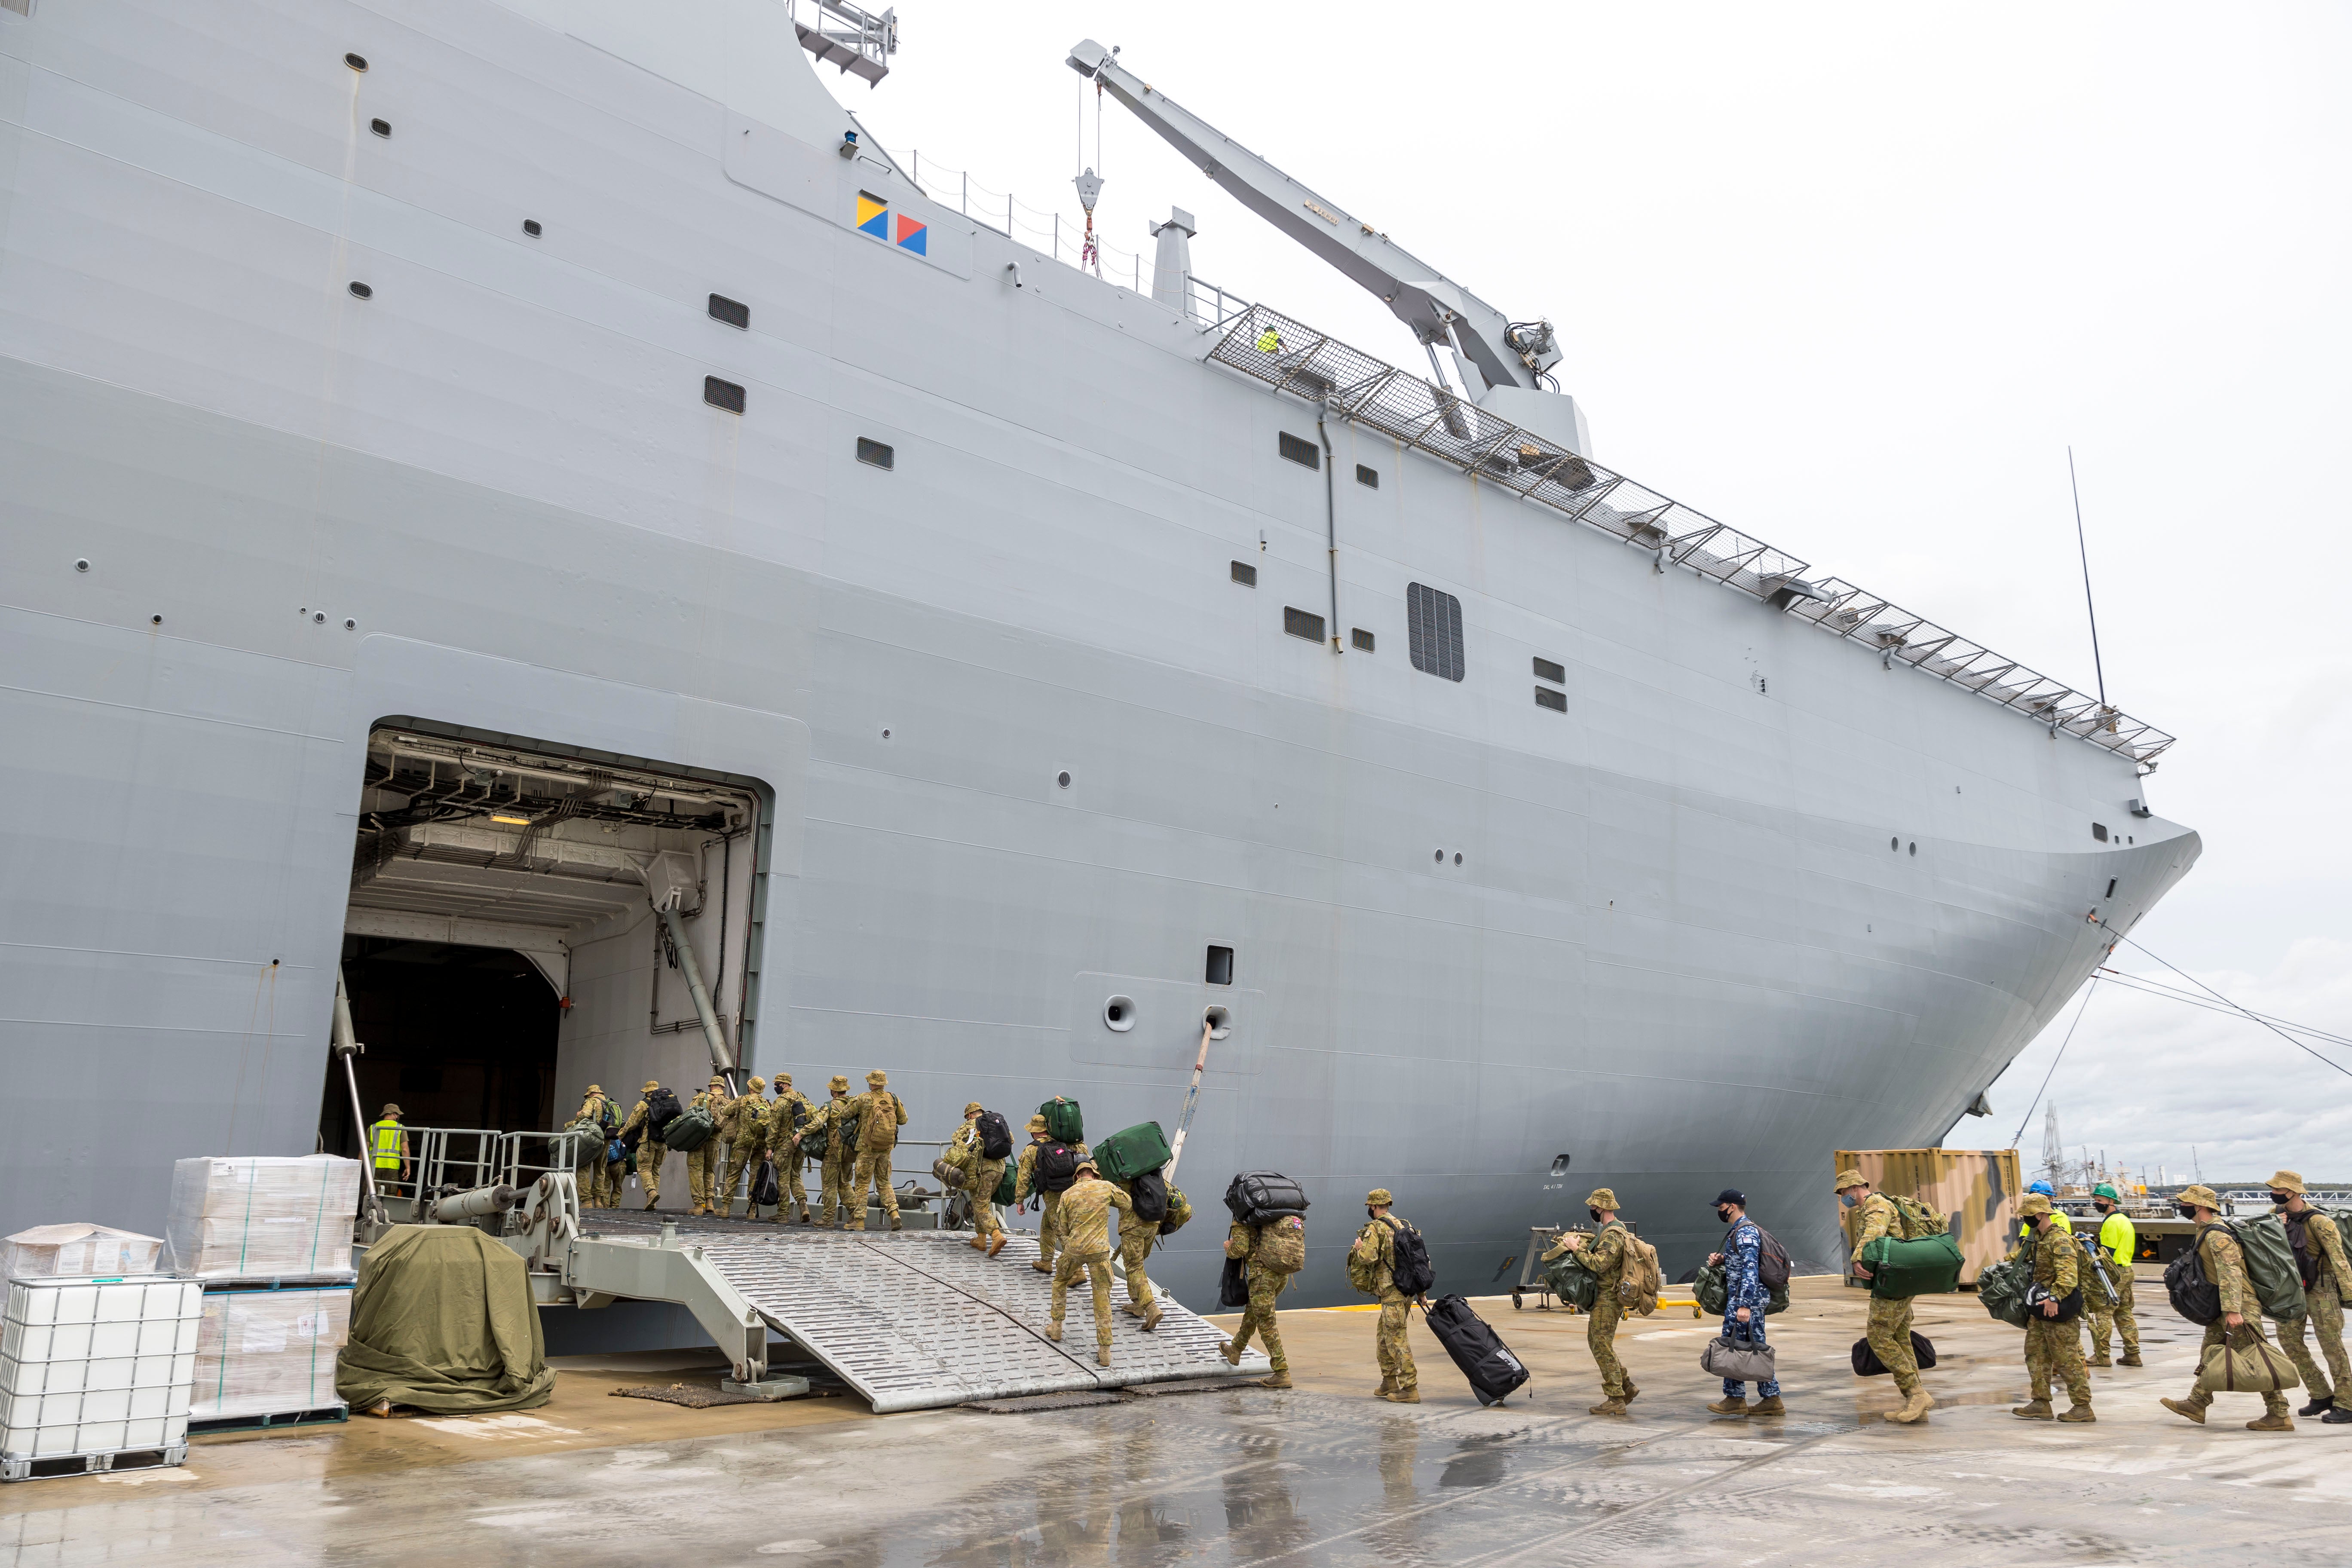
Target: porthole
(886, 732)
(362, 291)
(2099, 831)
(531, 227)
(1915, 846)
(734, 312)
(381, 127)
(1305, 453)
(1457, 857)
(1895, 843)
(1220, 1022)
(1063, 778)
(1438, 856)
(357, 62)
(81, 566)
(1118, 1015)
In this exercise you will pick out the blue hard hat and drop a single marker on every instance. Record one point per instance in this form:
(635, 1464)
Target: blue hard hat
(2044, 1188)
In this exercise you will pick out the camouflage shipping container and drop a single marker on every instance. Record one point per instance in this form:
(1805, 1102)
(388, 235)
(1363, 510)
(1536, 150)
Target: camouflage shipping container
(1977, 1187)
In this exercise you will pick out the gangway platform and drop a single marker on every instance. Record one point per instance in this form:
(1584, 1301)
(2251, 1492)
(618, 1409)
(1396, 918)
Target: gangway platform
(911, 1320)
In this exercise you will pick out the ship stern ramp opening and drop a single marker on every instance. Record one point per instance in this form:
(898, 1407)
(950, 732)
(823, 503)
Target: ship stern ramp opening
(909, 1320)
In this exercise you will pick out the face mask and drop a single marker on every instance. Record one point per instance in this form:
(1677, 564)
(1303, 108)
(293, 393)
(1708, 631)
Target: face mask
(2104, 1208)
(1848, 1199)
(1723, 1215)
(2185, 1211)
(2281, 1198)
(1595, 1214)
(1370, 1213)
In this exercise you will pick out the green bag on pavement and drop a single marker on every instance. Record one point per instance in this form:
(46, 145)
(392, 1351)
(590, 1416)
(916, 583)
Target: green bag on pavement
(1125, 1155)
(1572, 1282)
(1902, 1269)
(1063, 1124)
(2270, 1266)
(2003, 1289)
(1715, 1295)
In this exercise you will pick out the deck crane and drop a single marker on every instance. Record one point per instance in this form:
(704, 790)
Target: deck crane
(1504, 364)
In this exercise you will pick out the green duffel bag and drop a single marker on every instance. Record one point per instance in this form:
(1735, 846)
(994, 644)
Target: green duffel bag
(1064, 1122)
(690, 1131)
(1572, 1282)
(1123, 1156)
(1005, 1185)
(1902, 1269)
(2271, 1267)
(1715, 1297)
(2003, 1289)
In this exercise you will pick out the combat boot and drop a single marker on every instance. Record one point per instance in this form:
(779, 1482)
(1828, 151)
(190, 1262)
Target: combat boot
(898, 1223)
(1730, 1404)
(996, 1243)
(2078, 1413)
(2182, 1408)
(1771, 1407)
(1387, 1387)
(2032, 1410)
(2319, 1406)
(1632, 1391)
(1915, 1409)
(1281, 1379)
(1102, 1355)
(2099, 1360)
(1042, 1266)
(2279, 1422)
(2130, 1358)
(2337, 1417)
(1409, 1394)
(1151, 1317)
(1612, 1406)
(1231, 1351)
(806, 1217)
(1054, 1331)
(978, 1244)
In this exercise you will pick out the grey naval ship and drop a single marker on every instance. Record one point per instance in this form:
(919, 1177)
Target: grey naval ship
(529, 507)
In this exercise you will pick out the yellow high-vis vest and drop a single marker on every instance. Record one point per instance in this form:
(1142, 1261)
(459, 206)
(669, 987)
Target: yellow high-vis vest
(385, 1139)
(2120, 1238)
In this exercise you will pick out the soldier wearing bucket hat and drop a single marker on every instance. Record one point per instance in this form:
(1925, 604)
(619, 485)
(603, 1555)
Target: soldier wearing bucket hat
(1889, 1327)
(2242, 1308)
(1372, 1269)
(2054, 1343)
(637, 1133)
(820, 1133)
(1604, 1255)
(2319, 1256)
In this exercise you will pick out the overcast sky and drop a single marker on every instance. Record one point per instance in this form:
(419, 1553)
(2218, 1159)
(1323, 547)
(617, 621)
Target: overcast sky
(1851, 279)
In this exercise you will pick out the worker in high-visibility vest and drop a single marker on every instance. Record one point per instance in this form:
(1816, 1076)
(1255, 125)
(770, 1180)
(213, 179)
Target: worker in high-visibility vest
(388, 1146)
(1269, 342)
(2119, 1240)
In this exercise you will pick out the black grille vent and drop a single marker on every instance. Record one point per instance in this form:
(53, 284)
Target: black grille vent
(732, 311)
(1367, 478)
(1305, 453)
(874, 452)
(1546, 670)
(1555, 700)
(1363, 640)
(722, 395)
(1245, 574)
(1301, 623)
(1433, 631)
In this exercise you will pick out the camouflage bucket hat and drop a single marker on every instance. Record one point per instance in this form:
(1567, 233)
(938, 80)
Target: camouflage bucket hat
(1848, 1178)
(2199, 1197)
(757, 1084)
(2032, 1204)
(2288, 1182)
(392, 1110)
(1037, 1124)
(652, 1084)
(595, 1089)
(877, 1078)
(1377, 1198)
(1602, 1198)
(973, 1107)
(840, 1080)
(784, 1081)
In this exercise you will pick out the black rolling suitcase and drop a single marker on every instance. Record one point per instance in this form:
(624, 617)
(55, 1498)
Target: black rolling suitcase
(1494, 1372)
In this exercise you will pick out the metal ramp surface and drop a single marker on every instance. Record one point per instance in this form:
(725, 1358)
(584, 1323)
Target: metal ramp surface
(919, 1319)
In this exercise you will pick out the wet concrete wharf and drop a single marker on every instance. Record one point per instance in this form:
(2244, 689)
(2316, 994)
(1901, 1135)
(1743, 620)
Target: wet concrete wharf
(1321, 1474)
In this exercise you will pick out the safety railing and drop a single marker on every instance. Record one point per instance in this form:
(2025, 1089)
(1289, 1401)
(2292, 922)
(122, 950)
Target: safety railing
(463, 1158)
(1294, 358)
(1042, 229)
(845, 36)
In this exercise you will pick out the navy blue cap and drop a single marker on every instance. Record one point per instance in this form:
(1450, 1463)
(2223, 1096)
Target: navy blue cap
(1731, 1195)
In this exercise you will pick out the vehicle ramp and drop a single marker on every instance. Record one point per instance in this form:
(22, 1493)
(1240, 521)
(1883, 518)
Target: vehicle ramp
(911, 1319)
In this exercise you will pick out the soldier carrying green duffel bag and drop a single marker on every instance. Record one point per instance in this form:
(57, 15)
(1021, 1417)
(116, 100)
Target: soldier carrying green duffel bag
(1922, 1261)
(2002, 1286)
(1571, 1281)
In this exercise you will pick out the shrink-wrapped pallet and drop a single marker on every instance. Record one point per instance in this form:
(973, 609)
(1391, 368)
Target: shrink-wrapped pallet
(47, 1251)
(269, 1353)
(95, 1366)
(257, 1216)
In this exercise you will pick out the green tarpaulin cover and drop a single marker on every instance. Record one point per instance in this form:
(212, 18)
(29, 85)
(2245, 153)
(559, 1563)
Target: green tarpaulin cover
(443, 1320)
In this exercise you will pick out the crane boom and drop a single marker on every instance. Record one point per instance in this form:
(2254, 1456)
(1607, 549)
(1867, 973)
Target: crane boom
(1438, 310)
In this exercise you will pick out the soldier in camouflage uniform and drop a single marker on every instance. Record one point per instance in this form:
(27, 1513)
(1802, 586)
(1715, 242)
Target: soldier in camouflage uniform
(702, 1161)
(1024, 1171)
(650, 1148)
(2052, 1347)
(1604, 1254)
(1249, 1242)
(745, 1126)
(1889, 1329)
(2242, 1309)
(2320, 1253)
(986, 1176)
(787, 1152)
(589, 1176)
(880, 1114)
(1086, 1210)
(820, 1132)
(1135, 1238)
(1372, 1269)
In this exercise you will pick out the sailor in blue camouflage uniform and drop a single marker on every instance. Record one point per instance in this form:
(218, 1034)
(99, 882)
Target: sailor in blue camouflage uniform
(1745, 1300)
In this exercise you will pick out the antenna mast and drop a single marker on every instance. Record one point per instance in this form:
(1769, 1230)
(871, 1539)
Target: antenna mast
(2081, 545)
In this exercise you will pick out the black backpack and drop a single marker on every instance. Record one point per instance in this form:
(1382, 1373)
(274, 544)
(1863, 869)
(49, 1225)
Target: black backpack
(2194, 1296)
(1055, 1170)
(1411, 1273)
(995, 1138)
(1771, 1259)
(1149, 1191)
(661, 1110)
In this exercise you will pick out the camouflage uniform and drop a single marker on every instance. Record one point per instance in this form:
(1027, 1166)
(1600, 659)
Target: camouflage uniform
(1086, 1249)
(980, 1176)
(1889, 1328)
(2225, 1265)
(1375, 1254)
(2054, 1348)
(791, 1192)
(650, 1148)
(1135, 1238)
(1024, 1171)
(832, 1192)
(590, 1175)
(745, 1128)
(702, 1159)
(2325, 1300)
(1264, 1284)
(879, 1115)
(1604, 1254)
